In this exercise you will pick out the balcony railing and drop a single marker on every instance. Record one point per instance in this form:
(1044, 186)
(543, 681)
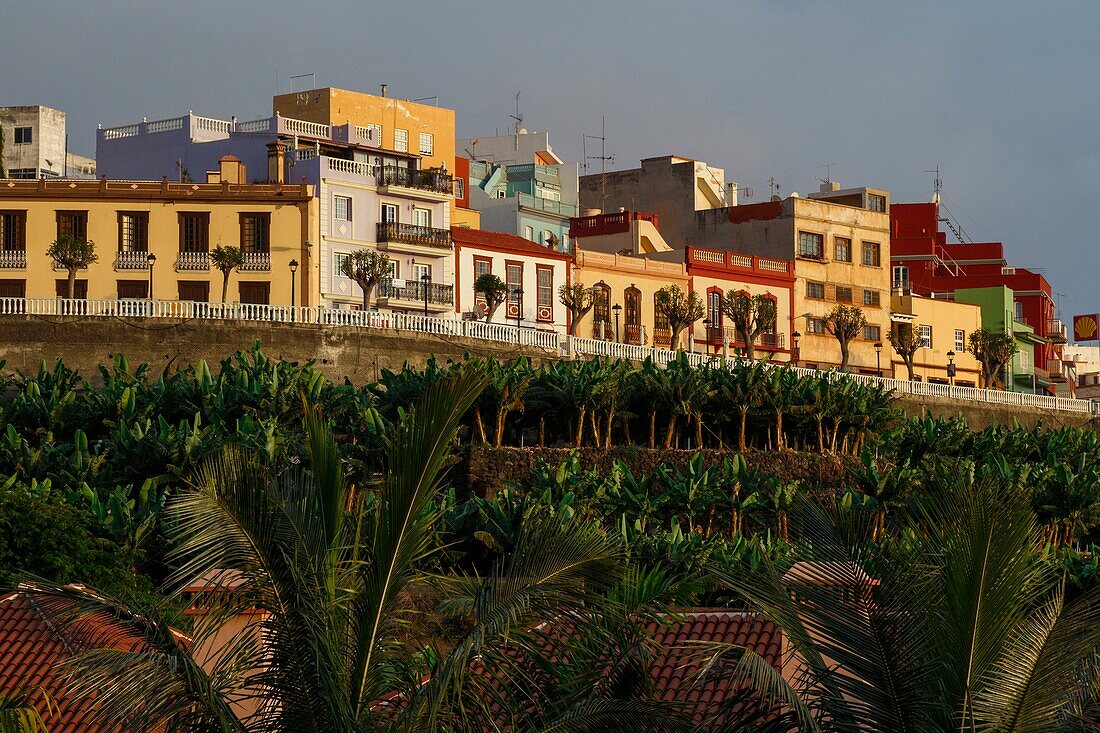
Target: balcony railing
(662, 336)
(193, 261)
(391, 231)
(548, 205)
(256, 262)
(633, 333)
(392, 175)
(13, 259)
(413, 290)
(132, 260)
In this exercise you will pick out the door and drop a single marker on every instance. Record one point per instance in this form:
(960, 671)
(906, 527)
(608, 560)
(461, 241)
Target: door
(632, 316)
(256, 293)
(198, 290)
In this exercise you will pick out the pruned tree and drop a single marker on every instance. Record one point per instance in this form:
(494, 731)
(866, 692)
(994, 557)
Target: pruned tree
(751, 316)
(578, 298)
(993, 350)
(3, 173)
(680, 308)
(226, 259)
(905, 341)
(367, 268)
(72, 254)
(845, 322)
(494, 290)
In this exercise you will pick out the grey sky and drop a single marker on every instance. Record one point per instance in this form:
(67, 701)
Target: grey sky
(1002, 96)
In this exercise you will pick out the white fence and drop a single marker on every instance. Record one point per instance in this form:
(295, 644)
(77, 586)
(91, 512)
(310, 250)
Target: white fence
(496, 332)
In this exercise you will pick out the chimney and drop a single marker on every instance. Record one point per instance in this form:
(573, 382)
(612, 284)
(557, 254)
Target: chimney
(384, 90)
(276, 162)
(231, 170)
(829, 186)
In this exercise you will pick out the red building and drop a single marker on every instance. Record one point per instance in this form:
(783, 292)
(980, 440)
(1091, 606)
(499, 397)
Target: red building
(925, 263)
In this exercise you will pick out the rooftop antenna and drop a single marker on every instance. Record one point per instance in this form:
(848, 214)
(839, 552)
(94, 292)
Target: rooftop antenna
(517, 125)
(774, 187)
(303, 76)
(603, 157)
(828, 173)
(937, 185)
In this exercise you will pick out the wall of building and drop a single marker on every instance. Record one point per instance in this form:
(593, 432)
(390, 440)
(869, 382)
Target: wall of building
(46, 151)
(466, 300)
(945, 317)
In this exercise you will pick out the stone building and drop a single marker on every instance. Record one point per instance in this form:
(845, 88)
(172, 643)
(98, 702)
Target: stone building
(36, 145)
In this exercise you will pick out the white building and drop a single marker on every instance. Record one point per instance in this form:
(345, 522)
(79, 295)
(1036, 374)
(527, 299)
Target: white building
(533, 275)
(36, 145)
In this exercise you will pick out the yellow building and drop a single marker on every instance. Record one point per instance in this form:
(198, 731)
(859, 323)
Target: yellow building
(943, 326)
(174, 226)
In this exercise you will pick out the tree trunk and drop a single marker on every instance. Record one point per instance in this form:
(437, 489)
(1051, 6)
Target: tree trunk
(843, 356)
(698, 431)
(595, 428)
(653, 429)
(502, 415)
(366, 296)
(909, 366)
(225, 286)
(580, 427)
(820, 435)
(735, 517)
(480, 427)
(741, 442)
(674, 342)
(72, 283)
(671, 430)
(542, 432)
(779, 431)
(607, 434)
(750, 351)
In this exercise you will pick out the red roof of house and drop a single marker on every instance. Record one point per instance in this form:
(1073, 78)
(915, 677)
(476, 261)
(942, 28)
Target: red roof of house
(502, 242)
(31, 646)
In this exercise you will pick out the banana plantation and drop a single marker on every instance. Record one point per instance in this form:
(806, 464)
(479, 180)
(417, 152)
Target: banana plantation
(950, 583)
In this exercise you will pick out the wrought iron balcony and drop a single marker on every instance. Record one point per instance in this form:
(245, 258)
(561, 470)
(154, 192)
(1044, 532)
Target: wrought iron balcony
(392, 175)
(132, 260)
(389, 231)
(633, 333)
(13, 259)
(193, 261)
(413, 290)
(256, 262)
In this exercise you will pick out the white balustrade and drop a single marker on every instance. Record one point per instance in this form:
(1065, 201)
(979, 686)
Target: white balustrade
(209, 124)
(113, 133)
(261, 125)
(312, 129)
(176, 123)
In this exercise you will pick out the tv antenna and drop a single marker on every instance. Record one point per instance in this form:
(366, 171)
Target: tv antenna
(937, 185)
(603, 157)
(828, 173)
(518, 124)
(303, 76)
(774, 188)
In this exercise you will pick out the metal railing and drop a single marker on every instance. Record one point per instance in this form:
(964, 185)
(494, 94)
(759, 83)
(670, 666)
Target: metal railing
(256, 262)
(193, 261)
(547, 205)
(392, 175)
(13, 259)
(132, 260)
(496, 332)
(392, 231)
(438, 293)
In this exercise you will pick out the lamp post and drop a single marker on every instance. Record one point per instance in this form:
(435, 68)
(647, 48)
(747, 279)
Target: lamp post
(425, 280)
(878, 357)
(951, 367)
(617, 309)
(706, 335)
(795, 354)
(518, 292)
(293, 272)
(152, 260)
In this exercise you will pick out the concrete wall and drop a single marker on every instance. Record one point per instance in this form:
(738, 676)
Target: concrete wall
(47, 139)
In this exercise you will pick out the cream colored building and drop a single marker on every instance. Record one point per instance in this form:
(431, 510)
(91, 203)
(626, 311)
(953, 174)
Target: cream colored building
(177, 224)
(944, 327)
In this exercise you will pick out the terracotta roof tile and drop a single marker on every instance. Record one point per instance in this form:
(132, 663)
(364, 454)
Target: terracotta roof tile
(502, 241)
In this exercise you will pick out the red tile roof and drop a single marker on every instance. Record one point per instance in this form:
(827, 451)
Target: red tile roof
(501, 241)
(31, 645)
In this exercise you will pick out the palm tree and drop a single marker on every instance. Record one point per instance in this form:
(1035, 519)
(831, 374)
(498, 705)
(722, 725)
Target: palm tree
(494, 290)
(226, 259)
(17, 713)
(964, 626)
(367, 268)
(72, 254)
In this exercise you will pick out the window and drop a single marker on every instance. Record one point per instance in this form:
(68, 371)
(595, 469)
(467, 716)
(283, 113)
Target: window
(24, 135)
(389, 213)
(13, 288)
(714, 308)
(960, 341)
(901, 277)
(341, 208)
(500, 193)
(815, 325)
(13, 231)
(842, 247)
(374, 134)
(601, 312)
(811, 245)
(198, 290)
(871, 298)
(876, 202)
(1018, 307)
(339, 264)
(395, 269)
(80, 289)
(545, 237)
(255, 232)
(660, 322)
(460, 188)
(545, 283)
(529, 233)
(422, 217)
(23, 173)
(925, 336)
(72, 223)
(427, 143)
(133, 231)
(258, 293)
(870, 254)
(194, 232)
(843, 294)
(513, 278)
(872, 333)
(401, 140)
(550, 195)
(482, 266)
(815, 290)
(420, 271)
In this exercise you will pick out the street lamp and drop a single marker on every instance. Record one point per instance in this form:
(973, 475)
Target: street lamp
(426, 280)
(951, 367)
(795, 354)
(293, 272)
(518, 292)
(706, 335)
(152, 260)
(617, 309)
(878, 356)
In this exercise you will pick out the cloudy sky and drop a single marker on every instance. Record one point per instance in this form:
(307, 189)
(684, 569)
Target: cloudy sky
(1002, 96)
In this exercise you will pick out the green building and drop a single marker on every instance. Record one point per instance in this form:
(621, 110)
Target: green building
(998, 315)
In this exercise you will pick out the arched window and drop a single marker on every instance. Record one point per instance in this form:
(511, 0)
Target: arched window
(632, 315)
(601, 312)
(714, 315)
(662, 332)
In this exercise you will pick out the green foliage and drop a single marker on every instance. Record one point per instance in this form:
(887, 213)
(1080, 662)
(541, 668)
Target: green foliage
(494, 290)
(226, 260)
(993, 350)
(72, 254)
(680, 308)
(367, 267)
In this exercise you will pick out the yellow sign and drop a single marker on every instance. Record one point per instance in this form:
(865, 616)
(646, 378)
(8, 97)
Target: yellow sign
(1086, 328)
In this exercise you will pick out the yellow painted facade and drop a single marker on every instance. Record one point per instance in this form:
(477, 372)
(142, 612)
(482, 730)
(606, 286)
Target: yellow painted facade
(469, 218)
(122, 270)
(619, 273)
(950, 324)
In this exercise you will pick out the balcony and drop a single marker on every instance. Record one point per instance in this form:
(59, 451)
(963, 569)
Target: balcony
(549, 206)
(256, 262)
(634, 333)
(413, 291)
(662, 336)
(440, 185)
(1057, 332)
(132, 260)
(13, 259)
(193, 262)
(435, 240)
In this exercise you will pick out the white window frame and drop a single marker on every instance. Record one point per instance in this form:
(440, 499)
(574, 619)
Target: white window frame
(427, 143)
(460, 188)
(374, 133)
(529, 233)
(348, 212)
(419, 269)
(900, 278)
(387, 207)
(422, 217)
(875, 328)
(925, 333)
(401, 140)
(960, 341)
(395, 269)
(815, 325)
(337, 259)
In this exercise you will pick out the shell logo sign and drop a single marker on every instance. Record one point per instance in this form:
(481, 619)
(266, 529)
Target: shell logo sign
(1086, 328)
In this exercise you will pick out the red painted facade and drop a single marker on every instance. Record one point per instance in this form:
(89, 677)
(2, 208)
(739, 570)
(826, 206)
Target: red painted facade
(462, 172)
(936, 266)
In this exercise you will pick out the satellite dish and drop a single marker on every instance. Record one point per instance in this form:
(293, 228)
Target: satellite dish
(794, 194)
